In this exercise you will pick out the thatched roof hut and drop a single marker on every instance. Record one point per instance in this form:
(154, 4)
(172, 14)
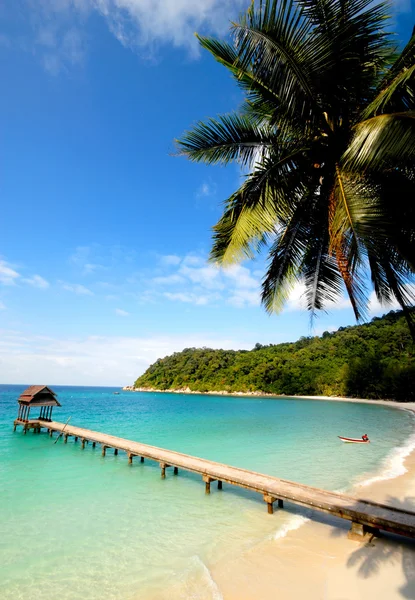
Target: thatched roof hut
(38, 396)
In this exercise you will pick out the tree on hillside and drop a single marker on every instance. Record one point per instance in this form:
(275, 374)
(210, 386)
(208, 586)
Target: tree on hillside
(326, 135)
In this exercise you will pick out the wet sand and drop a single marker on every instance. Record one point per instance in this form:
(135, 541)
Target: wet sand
(318, 562)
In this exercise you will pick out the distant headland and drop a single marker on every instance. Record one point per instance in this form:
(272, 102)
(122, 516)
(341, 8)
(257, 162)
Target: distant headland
(375, 360)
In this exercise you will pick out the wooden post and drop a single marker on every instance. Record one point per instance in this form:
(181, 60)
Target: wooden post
(65, 438)
(104, 449)
(115, 451)
(208, 480)
(280, 503)
(50, 432)
(219, 485)
(142, 459)
(14, 428)
(76, 438)
(83, 443)
(175, 471)
(270, 503)
(130, 458)
(24, 429)
(163, 470)
(93, 444)
(361, 533)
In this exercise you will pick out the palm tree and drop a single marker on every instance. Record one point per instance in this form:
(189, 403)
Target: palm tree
(326, 140)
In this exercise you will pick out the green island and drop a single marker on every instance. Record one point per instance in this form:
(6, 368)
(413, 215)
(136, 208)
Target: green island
(373, 360)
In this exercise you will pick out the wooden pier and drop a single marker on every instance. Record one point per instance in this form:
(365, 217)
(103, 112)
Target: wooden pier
(367, 517)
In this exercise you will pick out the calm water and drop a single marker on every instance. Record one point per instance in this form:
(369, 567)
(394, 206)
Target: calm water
(75, 525)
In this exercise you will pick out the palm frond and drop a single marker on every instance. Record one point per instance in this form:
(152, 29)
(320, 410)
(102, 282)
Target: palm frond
(381, 142)
(285, 257)
(253, 213)
(274, 43)
(396, 91)
(226, 139)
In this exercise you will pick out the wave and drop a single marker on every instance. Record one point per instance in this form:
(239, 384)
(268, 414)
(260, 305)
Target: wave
(206, 585)
(295, 522)
(394, 464)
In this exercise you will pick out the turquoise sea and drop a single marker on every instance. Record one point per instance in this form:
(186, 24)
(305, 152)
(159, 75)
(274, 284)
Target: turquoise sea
(75, 525)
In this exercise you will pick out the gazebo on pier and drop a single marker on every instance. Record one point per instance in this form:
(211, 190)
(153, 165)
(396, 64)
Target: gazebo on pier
(36, 396)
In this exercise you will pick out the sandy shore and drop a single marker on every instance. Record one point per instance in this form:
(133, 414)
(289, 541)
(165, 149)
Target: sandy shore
(318, 562)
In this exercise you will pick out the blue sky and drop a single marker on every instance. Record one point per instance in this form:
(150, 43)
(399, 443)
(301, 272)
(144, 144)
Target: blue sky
(104, 234)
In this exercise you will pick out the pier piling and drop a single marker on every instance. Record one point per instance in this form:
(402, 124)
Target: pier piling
(367, 517)
(208, 480)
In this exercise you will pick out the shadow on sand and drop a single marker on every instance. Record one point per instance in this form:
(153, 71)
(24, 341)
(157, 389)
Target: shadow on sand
(368, 559)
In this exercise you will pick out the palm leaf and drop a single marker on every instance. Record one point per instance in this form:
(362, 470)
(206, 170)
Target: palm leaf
(225, 139)
(252, 214)
(380, 142)
(397, 89)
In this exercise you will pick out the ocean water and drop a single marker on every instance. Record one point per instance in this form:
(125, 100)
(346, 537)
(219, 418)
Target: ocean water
(75, 525)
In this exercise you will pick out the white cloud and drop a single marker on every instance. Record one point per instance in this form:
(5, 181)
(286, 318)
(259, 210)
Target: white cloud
(194, 281)
(193, 260)
(121, 313)
(82, 258)
(92, 360)
(8, 275)
(207, 276)
(241, 298)
(241, 277)
(190, 298)
(376, 308)
(91, 268)
(37, 281)
(76, 288)
(61, 35)
(297, 300)
(170, 260)
(206, 189)
(2, 306)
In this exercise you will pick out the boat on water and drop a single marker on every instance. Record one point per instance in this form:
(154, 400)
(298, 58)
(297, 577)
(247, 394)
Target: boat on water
(354, 440)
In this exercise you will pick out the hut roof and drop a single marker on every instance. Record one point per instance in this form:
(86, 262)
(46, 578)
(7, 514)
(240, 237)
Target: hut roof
(39, 394)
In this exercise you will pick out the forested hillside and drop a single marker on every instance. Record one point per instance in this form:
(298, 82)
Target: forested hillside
(374, 360)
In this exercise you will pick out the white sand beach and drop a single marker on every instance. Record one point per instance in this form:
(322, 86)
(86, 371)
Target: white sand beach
(317, 561)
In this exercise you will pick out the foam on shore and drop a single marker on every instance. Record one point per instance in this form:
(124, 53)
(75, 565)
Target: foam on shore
(295, 522)
(394, 464)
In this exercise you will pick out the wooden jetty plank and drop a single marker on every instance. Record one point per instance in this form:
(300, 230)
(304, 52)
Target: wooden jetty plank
(364, 512)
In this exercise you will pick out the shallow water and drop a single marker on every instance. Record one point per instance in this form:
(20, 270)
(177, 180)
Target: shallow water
(75, 525)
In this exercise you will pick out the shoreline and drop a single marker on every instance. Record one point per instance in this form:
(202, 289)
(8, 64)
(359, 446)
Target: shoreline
(333, 567)
(410, 405)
